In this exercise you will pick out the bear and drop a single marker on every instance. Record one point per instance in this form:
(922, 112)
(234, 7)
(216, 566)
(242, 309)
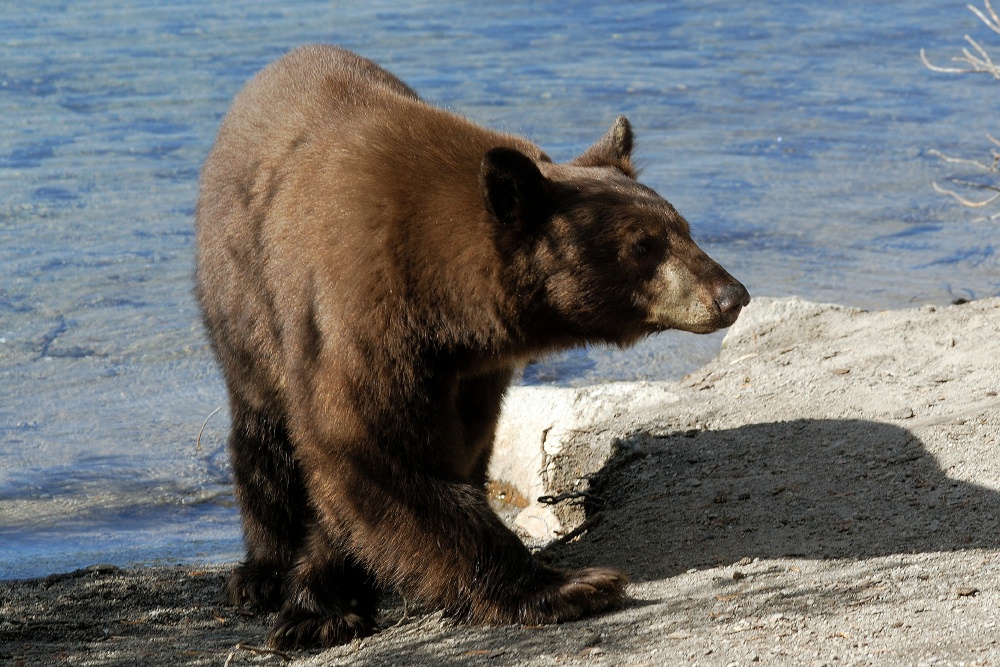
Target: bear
(373, 271)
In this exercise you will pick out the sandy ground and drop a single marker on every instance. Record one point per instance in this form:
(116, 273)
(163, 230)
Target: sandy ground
(825, 492)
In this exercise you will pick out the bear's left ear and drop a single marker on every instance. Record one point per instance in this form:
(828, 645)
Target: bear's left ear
(614, 149)
(514, 190)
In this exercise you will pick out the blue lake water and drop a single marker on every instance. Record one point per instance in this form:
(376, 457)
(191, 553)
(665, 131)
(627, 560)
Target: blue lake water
(795, 137)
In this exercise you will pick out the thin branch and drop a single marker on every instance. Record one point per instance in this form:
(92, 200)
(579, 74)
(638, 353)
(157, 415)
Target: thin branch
(992, 22)
(962, 160)
(981, 65)
(256, 650)
(968, 202)
(977, 64)
(197, 443)
(973, 184)
(975, 61)
(936, 68)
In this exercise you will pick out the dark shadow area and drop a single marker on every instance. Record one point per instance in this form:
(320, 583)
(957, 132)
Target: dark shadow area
(807, 488)
(105, 616)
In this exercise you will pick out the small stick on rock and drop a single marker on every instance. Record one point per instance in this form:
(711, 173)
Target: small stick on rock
(256, 650)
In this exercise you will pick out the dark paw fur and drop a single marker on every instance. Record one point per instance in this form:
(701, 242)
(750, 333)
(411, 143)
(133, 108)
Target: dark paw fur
(579, 593)
(255, 586)
(302, 629)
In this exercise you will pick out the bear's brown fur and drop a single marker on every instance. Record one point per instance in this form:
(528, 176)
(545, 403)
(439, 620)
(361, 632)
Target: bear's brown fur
(372, 271)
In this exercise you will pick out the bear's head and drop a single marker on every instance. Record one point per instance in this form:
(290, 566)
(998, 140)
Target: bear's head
(599, 256)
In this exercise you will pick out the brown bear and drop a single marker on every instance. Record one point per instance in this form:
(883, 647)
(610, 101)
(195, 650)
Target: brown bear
(372, 272)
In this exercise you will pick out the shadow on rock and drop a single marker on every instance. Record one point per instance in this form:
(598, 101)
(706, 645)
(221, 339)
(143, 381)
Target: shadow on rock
(806, 488)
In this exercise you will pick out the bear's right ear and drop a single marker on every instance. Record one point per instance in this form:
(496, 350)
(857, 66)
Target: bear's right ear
(514, 190)
(613, 149)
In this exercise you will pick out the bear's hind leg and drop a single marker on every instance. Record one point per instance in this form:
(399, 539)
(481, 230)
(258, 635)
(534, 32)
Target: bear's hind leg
(331, 599)
(273, 505)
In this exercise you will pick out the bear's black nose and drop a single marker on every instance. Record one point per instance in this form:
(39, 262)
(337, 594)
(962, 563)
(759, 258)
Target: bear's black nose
(731, 299)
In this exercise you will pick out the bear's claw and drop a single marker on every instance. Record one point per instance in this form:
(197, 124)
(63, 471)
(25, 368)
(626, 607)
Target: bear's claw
(301, 629)
(576, 594)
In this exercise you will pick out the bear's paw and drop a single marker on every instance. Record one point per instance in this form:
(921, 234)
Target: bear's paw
(578, 593)
(300, 628)
(255, 586)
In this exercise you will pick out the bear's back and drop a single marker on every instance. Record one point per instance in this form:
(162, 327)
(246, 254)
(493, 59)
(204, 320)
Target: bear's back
(288, 103)
(324, 130)
(334, 192)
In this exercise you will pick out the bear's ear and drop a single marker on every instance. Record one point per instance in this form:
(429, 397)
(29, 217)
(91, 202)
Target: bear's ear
(514, 190)
(614, 149)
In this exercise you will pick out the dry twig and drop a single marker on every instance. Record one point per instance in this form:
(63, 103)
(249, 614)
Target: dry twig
(257, 651)
(197, 443)
(970, 202)
(975, 163)
(993, 21)
(981, 63)
(978, 62)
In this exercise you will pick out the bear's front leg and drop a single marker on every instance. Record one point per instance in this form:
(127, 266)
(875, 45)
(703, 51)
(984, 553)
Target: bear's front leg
(273, 504)
(438, 541)
(330, 600)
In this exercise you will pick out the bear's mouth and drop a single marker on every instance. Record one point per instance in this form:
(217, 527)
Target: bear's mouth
(729, 317)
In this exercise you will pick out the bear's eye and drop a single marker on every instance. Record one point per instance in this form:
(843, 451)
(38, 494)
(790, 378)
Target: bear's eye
(646, 249)
(640, 248)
